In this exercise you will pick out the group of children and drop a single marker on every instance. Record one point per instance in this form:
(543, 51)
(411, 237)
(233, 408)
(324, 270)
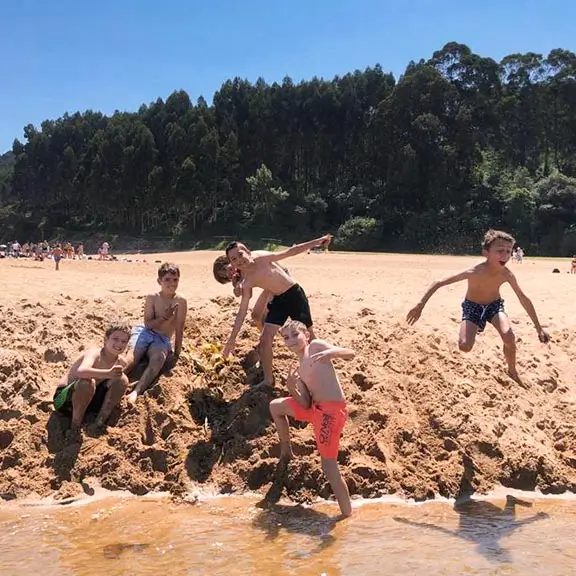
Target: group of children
(97, 380)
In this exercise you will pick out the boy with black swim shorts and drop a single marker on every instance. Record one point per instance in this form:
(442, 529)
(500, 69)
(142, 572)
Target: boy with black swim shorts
(261, 270)
(483, 302)
(96, 381)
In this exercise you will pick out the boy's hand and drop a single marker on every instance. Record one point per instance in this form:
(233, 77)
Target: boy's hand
(172, 310)
(116, 371)
(292, 378)
(543, 336)
(414, 314)
(325, 356)
(228, 349)
(324, 241)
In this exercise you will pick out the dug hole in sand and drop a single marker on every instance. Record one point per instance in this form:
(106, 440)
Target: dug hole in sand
(424, 419)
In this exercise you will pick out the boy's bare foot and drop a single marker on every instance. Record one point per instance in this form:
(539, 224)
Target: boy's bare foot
(132, 398)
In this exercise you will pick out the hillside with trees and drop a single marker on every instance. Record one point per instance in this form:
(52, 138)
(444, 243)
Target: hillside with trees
(426, 162)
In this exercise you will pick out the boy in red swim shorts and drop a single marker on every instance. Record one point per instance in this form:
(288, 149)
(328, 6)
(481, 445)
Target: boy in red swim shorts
(317, 397)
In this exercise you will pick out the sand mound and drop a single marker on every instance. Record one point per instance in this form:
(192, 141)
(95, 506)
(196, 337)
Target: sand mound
(424, 419)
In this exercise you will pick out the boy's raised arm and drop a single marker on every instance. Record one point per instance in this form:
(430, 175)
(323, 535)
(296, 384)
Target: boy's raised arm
(295, 250)
(240, 316)
(414, 314)
(528, 306)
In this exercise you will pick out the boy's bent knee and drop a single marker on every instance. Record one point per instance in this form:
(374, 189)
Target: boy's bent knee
(85, 386)
(509, 338)
(278, 407)
(120, 383)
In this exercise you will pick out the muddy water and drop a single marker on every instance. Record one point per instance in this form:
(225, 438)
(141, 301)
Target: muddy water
(231, 536)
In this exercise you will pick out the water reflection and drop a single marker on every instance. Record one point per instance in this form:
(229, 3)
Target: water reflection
(485, 525)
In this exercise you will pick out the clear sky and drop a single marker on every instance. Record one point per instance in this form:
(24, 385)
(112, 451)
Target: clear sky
(61, 56)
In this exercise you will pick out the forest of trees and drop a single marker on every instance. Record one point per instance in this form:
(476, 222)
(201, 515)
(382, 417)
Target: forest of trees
(427, 162)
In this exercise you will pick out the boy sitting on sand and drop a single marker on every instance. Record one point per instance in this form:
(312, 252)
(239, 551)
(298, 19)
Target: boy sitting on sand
(261, 270)
(317, 397)
(483, 302)
(164, 316)
(96, 381)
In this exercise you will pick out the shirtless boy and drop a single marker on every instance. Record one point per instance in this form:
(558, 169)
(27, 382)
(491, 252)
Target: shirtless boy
(317, 397)
(96, 381)
(225, 273)
(164, 317)
(261, 270)
(483, 302)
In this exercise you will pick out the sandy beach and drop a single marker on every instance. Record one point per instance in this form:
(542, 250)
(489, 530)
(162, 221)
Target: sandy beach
(425, 419)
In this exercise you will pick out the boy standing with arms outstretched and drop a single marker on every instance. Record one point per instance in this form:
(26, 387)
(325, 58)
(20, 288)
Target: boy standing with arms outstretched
(317, 397)
(164, 316)
(483, 302)
(261, 270)
(96, 381)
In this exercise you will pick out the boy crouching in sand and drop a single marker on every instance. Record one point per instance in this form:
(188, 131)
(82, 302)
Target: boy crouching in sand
(164, 317)
(96, 381)
(316, 397)
(483, 302)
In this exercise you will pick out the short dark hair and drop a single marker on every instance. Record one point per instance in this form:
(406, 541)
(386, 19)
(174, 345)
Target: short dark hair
(168, 268)
(231, 246)
(118, 326)
(493, 235)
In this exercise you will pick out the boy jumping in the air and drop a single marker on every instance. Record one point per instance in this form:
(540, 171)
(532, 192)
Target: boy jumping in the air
(317, 397)
(96, 381)
(261, 270)
(483, 302)
(164, 316)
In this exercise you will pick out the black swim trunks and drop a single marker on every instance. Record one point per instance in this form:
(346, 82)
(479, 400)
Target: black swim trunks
(291, 304)
(63, 398)
(479, 314)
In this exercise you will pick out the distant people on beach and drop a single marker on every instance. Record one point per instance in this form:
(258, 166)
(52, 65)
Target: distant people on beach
(57, 254)
(483, 302)
(95, 382)
(164, 317)
(573, 265)
(518, 255)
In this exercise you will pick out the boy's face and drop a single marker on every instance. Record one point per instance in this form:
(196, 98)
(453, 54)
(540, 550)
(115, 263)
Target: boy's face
(169, 283)
(240, 257)
(295, 339)
(499, 253)
(116, 343)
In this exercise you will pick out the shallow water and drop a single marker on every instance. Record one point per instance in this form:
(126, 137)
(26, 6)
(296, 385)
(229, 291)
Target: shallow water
(140, 537)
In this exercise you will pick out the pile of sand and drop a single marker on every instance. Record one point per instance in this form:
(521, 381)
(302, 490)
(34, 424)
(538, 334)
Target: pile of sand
(424, 419)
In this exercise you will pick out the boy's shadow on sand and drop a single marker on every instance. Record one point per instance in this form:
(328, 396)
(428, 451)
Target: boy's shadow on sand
(297, 519)
(483, 523)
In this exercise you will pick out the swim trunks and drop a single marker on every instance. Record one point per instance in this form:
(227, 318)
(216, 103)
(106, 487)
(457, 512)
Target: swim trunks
(291, 304)
(479, 314)
(63, 398)
(327, 419)
(142, 337)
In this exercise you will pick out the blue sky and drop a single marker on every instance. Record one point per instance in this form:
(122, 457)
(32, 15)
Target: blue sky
(63, 56)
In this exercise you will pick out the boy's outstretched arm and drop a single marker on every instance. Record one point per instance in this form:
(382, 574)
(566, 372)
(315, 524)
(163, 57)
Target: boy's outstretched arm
(528, 306)
(414, 314)
(240, 317)
(322, 351)
(295, 250)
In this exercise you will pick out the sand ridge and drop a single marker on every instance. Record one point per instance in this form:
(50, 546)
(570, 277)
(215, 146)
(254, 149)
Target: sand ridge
(425, 419)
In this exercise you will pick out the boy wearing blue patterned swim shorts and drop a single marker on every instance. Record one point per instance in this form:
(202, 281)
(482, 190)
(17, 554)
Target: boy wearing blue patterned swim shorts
(483, 302)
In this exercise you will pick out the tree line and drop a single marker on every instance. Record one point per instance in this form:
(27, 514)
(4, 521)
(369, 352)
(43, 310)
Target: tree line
(427, 162)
